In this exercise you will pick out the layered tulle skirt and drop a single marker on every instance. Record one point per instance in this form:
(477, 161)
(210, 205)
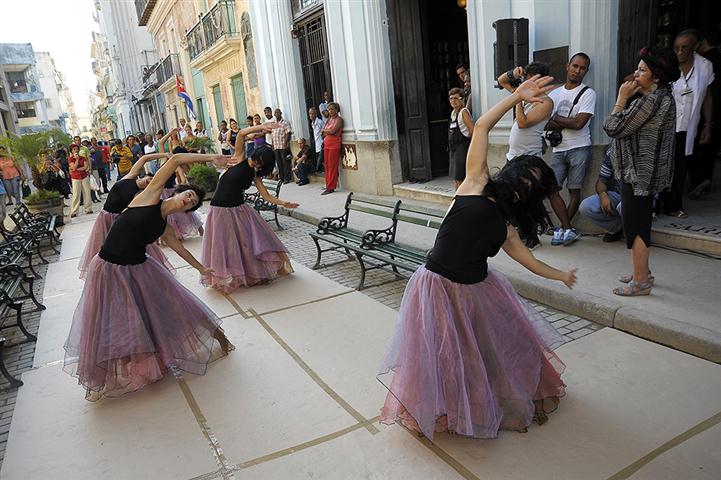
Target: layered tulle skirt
(241, 249)
(185, 224)
(101, 227)
(132, 324)
(469, 359)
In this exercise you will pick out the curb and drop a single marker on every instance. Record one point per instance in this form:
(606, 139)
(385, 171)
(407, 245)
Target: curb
(697, 341)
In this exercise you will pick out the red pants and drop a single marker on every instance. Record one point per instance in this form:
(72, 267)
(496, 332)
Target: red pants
(331, 158)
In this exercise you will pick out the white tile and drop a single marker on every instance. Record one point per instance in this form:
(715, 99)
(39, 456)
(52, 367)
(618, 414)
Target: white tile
(54, 327)
(304, 285)
(258, 400)
(56, 433)
(192, 244)
(343, 339)
(190, 278)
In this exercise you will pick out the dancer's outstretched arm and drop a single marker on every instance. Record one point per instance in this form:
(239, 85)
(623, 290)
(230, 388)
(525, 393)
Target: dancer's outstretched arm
(138, 166)
(532, 91)
(242, 134)
(270, 198)
(161, 142)
(515, 249)
(172, 241)
(151, 194)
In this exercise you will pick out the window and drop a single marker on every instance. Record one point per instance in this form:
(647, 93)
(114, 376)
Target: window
(48, 103)
(17, 81)
(25, 109)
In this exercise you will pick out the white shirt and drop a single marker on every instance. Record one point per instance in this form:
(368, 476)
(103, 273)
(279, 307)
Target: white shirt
(317, 126)
(182, 133)
(269, 136)
(458, 117)
(526, 141)
(562, 102)
(150, 149)
(688, 107)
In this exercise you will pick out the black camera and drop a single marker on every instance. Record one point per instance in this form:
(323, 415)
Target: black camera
(515, 82)
(554, 137)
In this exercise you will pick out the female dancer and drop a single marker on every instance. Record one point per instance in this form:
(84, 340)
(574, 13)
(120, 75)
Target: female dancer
(469, 355)
(238, 245)
(134, 320)
(185, 224)
(118, 200)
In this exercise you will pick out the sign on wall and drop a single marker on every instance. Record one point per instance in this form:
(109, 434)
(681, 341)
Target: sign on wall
(349, 160)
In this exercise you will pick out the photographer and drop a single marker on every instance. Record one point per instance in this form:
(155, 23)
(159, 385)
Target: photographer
(573, 106)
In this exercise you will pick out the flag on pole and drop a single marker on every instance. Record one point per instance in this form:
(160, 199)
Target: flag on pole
(184, 95)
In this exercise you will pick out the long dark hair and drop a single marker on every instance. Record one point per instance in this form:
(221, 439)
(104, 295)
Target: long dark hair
(519, 189)
(263, 155)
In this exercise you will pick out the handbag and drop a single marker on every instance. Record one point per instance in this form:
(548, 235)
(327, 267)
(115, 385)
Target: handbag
(94, 184)
(26, 189)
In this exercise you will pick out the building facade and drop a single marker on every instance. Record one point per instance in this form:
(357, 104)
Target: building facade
(102, 102)
(51, 83)
(26, 96)
(8, 119)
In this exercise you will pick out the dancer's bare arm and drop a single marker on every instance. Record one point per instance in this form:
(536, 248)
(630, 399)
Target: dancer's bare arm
(172, 241)
(533, 91)
(270, 198)
(241, 138)
(138, 166)
(515, 249)
(162, 141)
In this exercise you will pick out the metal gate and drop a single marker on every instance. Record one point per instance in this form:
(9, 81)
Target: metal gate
(314, 59)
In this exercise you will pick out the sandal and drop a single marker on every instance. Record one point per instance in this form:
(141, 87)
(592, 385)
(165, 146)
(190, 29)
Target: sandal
(633, 289)
(678, 214)
(628, 278)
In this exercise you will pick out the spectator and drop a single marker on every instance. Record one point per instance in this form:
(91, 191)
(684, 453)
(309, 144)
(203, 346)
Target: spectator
(62, 156)
(79, 173)
(693, 98)
(223, 138)
(642, 155)
(464, 79)
(332, 140)
(182, 132)
(701, 173)
(268, 112)
(199, 130)
(249, 138)
(316, 125)
(258, 138)
(132, 143)
(324, 116)
(281, 147)
(323, 106)
(140, 140)
(573, 106)
(52, 176)
(122, 157)
(12, 175)
(3, 206)
(304, 162)
(96, 162)
(604, 208)
(103, 171)
(152, 166)
(460, 129)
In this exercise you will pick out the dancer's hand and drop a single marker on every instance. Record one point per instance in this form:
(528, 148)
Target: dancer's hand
(535, 88)
(222, 161)
(569, 278)
(206, 270)
(290, 205)
(268, 127)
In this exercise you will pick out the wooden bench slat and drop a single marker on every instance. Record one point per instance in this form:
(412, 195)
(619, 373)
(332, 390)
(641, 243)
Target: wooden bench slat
(373, 211)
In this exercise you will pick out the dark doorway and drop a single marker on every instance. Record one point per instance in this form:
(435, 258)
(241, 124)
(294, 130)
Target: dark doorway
(314, 60)
(428, 40)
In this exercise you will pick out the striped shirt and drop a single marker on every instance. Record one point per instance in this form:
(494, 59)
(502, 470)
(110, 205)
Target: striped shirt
(606, 175)
(643, 141)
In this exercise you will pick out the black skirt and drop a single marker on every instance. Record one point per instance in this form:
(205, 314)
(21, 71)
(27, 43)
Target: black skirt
(636, 216)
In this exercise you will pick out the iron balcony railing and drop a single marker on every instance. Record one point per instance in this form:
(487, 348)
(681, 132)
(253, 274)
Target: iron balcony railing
(217, 23)
(162, 71)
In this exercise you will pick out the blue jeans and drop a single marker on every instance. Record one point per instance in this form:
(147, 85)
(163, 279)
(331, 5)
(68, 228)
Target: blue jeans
(591, 208)
(12, 187)
(302, 171)
(571, 165)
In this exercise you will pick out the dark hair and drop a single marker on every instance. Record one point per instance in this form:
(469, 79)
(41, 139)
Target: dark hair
(118, 142)
(519, 189)
(199, 191)
(711, 36)
(582, 55)
(663, 64)
(267, 108)
(180, 150)
(690, 32)
(160, 132)
(461, 65)
(223, 121)
(263, 154)
(536, 68)
(249, 117)
(74, 145)
(456, 91)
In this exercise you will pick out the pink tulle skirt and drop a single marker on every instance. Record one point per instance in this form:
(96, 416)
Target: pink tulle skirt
(185, 224)
(133, 323)
(469, 359)
(241, 249)
(101, 227)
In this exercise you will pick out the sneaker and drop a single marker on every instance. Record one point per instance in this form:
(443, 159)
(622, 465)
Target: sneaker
(612, 237)
(532, 243)
(557, 237)
(570, 236)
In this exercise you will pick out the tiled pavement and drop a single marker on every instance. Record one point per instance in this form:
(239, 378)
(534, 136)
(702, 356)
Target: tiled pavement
(382, 287)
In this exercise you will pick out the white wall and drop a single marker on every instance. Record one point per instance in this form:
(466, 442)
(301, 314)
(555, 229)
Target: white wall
(47, 78)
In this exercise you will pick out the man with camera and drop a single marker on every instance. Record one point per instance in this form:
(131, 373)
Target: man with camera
(569, 133)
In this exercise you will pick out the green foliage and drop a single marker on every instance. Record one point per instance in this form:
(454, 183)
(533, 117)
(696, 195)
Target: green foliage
(41, 196)
(204, 176)
(27, 148)
(198, 143)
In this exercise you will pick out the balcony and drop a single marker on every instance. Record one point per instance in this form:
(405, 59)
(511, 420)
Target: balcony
(144, 9)
(215, 30)
(161, 72)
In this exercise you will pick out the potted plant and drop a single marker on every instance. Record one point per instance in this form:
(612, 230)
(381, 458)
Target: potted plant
(27, 148)
(205, 176)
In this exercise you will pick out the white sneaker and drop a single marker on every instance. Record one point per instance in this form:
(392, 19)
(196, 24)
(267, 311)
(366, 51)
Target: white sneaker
(557, 237)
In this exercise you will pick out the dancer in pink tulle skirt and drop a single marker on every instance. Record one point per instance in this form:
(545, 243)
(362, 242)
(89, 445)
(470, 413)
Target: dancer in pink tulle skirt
(469, 355)
(238, 244)
(119, 198)
(134, 320)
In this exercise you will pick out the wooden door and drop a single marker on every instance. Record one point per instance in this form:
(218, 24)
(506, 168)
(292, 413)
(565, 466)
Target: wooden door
(241, 110)
(409, 84)
(218, 105)
(637, 21)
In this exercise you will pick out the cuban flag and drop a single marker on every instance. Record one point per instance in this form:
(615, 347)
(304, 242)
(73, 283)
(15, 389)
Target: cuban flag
(184, 95)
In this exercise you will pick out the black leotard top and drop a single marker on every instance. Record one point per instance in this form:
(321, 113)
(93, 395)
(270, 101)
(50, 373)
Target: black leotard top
(121, 195)
(233, 138)
(135, 228)
(472, 231)
(232, 184)
(170, 183)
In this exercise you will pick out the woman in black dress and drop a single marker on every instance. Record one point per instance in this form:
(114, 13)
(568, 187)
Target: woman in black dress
(134, 320)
